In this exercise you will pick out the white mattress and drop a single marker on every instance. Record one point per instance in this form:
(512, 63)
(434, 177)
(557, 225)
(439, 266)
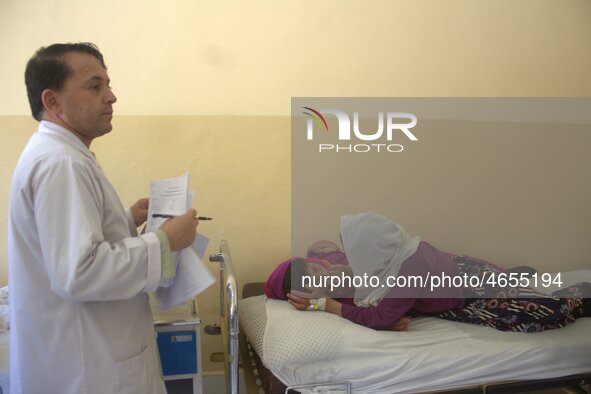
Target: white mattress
(435, 354)
(253, 320)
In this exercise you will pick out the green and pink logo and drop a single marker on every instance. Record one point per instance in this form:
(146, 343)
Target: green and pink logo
(316, 117)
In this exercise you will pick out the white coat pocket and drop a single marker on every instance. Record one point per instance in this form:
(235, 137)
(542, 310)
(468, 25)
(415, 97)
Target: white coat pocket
(133, 373)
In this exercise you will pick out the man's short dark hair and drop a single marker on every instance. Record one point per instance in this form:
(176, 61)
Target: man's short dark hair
(47, 69)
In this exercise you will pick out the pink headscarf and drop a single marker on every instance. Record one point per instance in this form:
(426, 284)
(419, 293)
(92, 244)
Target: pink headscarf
(274, 284)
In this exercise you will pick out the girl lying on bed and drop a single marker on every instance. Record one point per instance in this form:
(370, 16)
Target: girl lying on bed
(378, 247)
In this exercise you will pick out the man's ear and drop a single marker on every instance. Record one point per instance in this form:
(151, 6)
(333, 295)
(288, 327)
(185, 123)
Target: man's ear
(50, 100)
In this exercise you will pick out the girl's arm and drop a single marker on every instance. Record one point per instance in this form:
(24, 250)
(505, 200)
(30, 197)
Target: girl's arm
(387, 315)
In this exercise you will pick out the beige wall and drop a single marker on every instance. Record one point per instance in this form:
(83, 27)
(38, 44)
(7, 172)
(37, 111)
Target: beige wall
(204, 57)
(205, 86)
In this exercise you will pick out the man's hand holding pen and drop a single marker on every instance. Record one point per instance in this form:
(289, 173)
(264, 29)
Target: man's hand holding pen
(181, 230)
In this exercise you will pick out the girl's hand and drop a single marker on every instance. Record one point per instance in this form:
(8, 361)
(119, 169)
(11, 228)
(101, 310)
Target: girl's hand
(298, 300)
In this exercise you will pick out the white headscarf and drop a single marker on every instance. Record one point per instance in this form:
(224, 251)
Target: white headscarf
(375, 245)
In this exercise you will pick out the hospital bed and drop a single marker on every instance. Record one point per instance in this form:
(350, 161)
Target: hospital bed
(287, 351)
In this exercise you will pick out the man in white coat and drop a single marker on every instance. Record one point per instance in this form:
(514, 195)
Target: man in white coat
(78, 271)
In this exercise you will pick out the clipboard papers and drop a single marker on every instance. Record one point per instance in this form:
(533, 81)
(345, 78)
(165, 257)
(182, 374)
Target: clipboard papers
(171, 197)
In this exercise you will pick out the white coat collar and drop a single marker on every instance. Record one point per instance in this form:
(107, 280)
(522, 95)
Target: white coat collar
(48, 127)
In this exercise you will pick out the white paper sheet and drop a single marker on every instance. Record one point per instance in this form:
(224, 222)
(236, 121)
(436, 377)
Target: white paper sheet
(168, 198)
(192, 277)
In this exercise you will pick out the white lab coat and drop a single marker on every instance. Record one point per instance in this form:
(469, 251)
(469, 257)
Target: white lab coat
(78, 274)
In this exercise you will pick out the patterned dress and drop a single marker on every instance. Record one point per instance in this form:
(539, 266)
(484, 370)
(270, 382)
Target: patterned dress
(514, 308)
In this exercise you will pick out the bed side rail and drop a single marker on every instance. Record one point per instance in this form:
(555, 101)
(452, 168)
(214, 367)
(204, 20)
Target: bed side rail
(228, 315)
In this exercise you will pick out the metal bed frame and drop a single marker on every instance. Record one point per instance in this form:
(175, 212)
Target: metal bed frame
(228, 315)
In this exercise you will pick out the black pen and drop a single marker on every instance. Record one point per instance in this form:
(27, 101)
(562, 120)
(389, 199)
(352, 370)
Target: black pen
(166, 216)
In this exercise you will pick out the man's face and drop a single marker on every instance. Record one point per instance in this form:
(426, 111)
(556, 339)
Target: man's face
(86, 100)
